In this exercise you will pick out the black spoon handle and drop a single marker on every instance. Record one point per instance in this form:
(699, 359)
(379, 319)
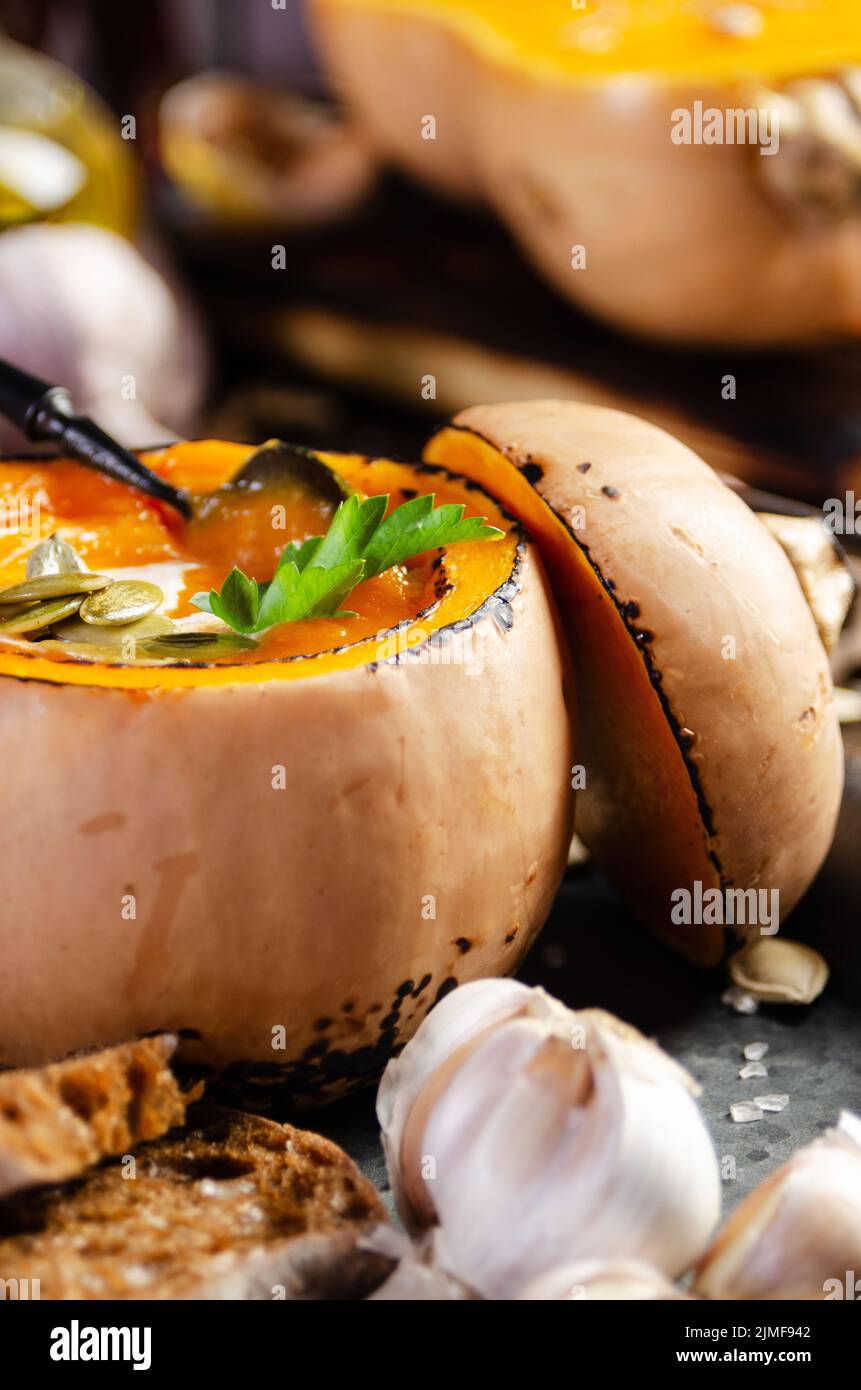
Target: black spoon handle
(43, 412)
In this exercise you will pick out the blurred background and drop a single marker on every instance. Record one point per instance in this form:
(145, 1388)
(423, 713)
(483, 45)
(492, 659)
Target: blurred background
(287, 279)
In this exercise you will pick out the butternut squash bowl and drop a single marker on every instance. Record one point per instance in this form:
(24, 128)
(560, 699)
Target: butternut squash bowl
(288, 852)
(686, 171)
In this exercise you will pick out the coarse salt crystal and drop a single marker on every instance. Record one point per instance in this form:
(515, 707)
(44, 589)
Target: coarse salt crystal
(740, 1000)
(773, 1103)
(744, 1111)
(752, 1069)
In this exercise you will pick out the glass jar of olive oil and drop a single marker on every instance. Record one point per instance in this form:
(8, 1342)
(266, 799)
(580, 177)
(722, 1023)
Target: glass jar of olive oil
(62, 157)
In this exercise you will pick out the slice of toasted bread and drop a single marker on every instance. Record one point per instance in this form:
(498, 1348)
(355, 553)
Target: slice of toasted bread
(233, 1206)
(57, 1121)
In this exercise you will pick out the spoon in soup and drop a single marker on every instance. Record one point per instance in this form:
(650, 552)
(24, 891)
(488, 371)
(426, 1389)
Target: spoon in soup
(45, 414)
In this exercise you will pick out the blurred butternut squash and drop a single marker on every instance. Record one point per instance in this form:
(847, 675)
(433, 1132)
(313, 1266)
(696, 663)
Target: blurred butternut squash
(688, 172)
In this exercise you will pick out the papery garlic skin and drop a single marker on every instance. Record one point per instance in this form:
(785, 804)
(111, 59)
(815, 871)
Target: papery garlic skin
(413, 1282)
(82, 307)
(536, 1136)
(798, 1235)
(406, 1081)
(417, 1277)
(591, 1280)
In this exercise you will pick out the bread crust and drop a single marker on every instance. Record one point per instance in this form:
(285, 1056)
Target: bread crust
(56, 1121)
(232, 1206)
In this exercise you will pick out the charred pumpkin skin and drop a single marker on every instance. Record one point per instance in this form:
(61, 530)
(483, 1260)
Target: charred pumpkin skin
(700, 765)
(682, 241)
(161, 880)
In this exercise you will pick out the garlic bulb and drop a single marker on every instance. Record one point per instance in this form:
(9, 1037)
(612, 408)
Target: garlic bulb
(798, 1235)
(592, 1280)
(80, 307)
(535, 1136)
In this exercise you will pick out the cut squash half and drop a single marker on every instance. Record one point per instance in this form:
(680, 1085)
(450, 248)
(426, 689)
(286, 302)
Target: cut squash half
(710, 744)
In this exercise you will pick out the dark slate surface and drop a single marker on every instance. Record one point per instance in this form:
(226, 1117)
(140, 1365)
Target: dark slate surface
(814, 1052)
(592, 952)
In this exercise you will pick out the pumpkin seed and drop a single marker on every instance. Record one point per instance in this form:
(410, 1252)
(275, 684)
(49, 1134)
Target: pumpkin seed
(53, 556)
(195, 646)
(85, 651)
(41, 615)
(110, 644)
(779, 971)
(124, 602)
(77, 631)
(45, 586)
(99, 653)
(11, 610)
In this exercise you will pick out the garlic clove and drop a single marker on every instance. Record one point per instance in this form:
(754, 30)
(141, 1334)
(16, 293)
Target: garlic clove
(779, 971)
(821, 567)
(798, 1235)
(631, 1280)
(448, 1031)
(535, 1136)
(848, 705)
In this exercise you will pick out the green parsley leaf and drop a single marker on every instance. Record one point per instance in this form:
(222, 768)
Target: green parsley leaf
(237, 604)
(313, 579)
(418, 526)
(350, 531)
(300, 555)
(311, 593)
